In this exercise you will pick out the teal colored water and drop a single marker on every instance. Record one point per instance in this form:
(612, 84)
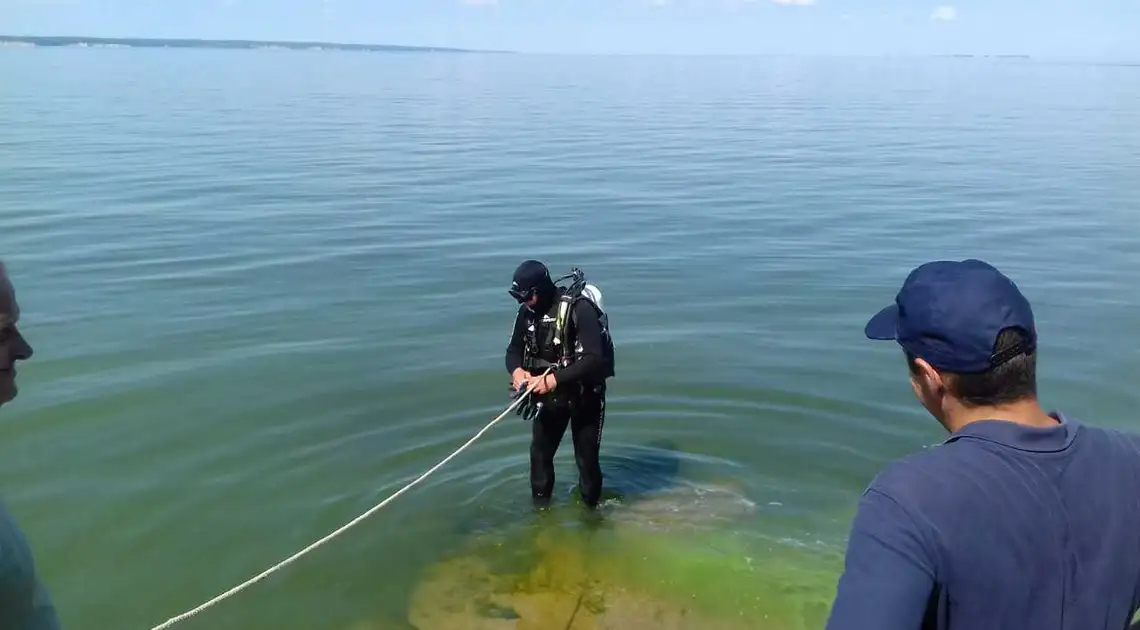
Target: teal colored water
(267, 289)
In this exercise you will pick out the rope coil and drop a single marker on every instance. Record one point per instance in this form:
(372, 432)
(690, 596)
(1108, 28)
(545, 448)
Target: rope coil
(280, 565)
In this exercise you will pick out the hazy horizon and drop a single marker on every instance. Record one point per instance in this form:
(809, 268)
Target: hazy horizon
(396, 45)
(1066, 29)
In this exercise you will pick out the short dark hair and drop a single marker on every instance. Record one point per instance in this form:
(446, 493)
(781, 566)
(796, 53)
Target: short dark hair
(1010, 381)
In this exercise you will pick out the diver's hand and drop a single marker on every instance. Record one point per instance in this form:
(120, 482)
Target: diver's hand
(520, 378)
(543, 383)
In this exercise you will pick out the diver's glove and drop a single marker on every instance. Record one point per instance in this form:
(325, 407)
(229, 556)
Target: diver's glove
(529, 408)
(515, 394)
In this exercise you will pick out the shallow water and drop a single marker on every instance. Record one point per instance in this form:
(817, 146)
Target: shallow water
(266, 289)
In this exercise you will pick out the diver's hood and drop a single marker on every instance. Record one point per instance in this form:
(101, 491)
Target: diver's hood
(547, 293)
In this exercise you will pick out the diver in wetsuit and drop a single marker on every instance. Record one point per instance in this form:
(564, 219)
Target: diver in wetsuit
(564, 329)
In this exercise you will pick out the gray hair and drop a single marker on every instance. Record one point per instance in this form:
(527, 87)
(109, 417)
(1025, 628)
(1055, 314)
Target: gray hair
(8, 292)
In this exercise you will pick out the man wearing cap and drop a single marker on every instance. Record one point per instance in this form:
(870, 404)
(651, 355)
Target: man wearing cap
(1021, 519)
(573, 394)
(24, 602)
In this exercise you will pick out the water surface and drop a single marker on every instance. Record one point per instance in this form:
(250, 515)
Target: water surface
(268, 288)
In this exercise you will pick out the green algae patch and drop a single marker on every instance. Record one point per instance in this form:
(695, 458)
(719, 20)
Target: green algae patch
(673, 572)
(765, 584)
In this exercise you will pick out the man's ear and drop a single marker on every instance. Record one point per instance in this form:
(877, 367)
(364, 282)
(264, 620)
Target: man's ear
(928, 377)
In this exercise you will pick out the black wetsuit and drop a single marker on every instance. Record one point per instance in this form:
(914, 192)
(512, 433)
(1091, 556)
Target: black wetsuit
(579, 400)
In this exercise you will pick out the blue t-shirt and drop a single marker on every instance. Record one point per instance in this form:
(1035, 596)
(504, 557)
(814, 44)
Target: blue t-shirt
(24, 602)
(1004, 527)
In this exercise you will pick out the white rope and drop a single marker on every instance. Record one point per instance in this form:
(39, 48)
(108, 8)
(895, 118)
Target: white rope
(264, 574)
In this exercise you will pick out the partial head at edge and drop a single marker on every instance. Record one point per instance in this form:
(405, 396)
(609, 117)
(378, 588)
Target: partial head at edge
(13, 346)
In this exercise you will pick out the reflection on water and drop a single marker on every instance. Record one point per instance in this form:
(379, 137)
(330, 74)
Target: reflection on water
(632, 470)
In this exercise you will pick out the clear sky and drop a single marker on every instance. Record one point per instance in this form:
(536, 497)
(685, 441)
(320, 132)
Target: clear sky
(1047, 28)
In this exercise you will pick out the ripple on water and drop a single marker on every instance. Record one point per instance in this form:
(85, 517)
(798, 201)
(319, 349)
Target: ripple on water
(245, 339)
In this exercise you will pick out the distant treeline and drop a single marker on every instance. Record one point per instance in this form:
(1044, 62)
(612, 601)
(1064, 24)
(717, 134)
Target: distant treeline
(969, 56)
(131, 42)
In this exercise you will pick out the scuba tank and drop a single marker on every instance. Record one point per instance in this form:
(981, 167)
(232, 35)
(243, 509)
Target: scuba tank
(580, 288)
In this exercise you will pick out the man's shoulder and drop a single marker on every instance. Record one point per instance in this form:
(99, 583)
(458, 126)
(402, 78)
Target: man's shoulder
(1109, 438)
(939, 472)
(912, 475)
(1109, 453)
(931, 474)
(25, 594)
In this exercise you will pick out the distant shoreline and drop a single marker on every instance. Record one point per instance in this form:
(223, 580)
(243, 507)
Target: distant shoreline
(227, 44)
(65, 41)
(983, 56)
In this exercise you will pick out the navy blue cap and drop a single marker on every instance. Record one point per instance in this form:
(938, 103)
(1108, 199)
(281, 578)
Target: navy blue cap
(951, 313)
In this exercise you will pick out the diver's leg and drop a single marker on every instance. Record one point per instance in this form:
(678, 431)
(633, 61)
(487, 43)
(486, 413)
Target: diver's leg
(546, 435)
(586, 427)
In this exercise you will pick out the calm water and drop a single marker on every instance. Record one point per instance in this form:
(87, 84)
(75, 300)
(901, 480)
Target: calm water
(267, 289)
